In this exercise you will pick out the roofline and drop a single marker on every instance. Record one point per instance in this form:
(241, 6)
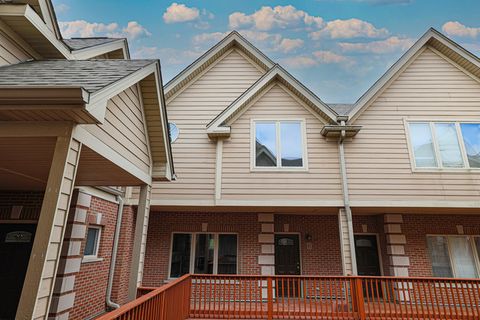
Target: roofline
(104, 48)
(232, 36)
(431, 33)
(48, 8)
(215, 126)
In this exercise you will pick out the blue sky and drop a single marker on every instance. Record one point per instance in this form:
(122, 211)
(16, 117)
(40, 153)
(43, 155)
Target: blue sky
(337, 48)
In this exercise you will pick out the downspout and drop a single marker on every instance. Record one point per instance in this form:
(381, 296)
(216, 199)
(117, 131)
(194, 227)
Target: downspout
(346, 200)
(108, 297)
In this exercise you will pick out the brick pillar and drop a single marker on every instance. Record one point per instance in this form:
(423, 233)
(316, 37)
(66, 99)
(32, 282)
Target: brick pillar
(397, 260)
(266, 239)
(71, 258)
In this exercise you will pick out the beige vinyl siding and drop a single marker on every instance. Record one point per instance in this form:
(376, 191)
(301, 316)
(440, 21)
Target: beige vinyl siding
(378, 162)
(123, 129)
(10, 53)
(191, 110)
(320, 182)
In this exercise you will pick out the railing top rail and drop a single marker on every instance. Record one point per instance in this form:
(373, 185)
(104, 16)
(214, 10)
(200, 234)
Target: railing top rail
(133, 304)
(239, 276)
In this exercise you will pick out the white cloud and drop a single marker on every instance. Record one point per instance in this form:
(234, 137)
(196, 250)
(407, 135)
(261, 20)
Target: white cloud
(168, 56)
(208, 38)
(134, 30)
(330, 57)
(299, 62)
(288, 45)
(267, 18)
(351, 28)
(455, 28)
(391, 44)
(82, 28)
(180, 13)
(62, 8)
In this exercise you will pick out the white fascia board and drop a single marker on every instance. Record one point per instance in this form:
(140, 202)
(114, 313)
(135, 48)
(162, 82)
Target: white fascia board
(90, 52)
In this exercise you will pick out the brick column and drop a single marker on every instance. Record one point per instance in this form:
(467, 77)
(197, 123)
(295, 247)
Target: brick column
(71, 258)
(266, 239)
(396, 241)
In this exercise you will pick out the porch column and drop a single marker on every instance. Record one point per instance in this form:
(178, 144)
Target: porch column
(71, 258)
(396, 241)
(45, 256)
(139, 245)
(266, 239)
(347, 245)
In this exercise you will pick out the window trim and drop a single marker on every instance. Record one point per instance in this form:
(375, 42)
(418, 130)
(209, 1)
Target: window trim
(277, 121)
(193, 243)
(476, 258)
(440, 167)
(93, 257)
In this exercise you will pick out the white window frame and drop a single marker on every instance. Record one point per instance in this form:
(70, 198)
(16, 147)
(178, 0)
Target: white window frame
(476, 258)
(438, 159)
(93, 257)
(193, 245)
(254, 167)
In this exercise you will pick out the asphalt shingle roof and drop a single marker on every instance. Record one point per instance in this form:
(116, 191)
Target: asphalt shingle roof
(91, 75)
(82, 43)
(341, 109)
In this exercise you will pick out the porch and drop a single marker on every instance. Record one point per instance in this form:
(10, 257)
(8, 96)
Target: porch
(304, 297)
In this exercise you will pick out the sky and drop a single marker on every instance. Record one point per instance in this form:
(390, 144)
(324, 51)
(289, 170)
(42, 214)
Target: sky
(337, 48)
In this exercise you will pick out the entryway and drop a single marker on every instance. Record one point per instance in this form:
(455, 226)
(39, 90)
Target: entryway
(287, 263)
(16, 242)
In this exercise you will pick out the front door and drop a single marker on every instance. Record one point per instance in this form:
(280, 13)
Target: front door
(287, 263)
(16, 242)
(368, 262)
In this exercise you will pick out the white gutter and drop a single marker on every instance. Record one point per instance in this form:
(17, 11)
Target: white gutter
(346, 199)
(108, 297)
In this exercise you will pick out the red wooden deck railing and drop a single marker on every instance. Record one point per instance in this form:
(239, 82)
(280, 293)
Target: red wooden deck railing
(306, 297)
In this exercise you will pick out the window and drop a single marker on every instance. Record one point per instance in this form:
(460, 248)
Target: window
(446, 145)
(279, 144)
(173, 131)
(203, 253)
(454, 256)
(93, 242)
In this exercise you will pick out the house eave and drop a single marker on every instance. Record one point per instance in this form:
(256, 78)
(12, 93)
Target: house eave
(333, 131)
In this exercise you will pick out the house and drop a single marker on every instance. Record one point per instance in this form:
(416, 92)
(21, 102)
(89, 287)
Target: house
(76, 116)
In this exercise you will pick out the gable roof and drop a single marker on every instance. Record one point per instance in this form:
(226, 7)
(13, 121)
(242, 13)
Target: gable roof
(432, 38)
(82, 43)
(233, 39)
(219, 125)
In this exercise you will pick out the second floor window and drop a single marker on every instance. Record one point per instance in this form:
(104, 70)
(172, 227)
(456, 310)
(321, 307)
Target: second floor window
(279, 144)
(445, 144)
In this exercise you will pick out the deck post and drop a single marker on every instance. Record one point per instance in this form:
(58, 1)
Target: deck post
(359, 299)
(270, 298)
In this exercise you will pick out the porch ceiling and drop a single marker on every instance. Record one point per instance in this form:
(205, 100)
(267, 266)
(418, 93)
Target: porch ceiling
(25, 165)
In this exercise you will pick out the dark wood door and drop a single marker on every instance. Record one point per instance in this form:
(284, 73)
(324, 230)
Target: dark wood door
(16, 242)
(287, 263)
(368, 261)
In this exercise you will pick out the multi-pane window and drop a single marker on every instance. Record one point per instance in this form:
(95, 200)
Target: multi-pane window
(93, 242)
(279, 144)
(454, 256)
(203, 253)
(447, 145)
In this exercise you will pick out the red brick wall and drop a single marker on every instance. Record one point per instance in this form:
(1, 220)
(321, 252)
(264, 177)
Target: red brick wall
(417, 227)
(321, 255)
(91, 281)
(161, 226)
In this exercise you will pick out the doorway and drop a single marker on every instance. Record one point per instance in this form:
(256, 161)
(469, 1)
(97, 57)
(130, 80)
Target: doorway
(287, 263)
(16, 242)
(368, 259)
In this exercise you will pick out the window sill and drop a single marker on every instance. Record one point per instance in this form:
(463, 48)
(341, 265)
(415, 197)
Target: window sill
(89, 259)
(276, 169)
(445, 170)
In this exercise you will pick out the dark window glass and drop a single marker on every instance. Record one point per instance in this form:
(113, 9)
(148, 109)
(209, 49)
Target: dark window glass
(438, 249)
(204, 252)
(471, 138)
(291, 144)
(227, 254)
(180, 264)
(92, 242)
(265, 144)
